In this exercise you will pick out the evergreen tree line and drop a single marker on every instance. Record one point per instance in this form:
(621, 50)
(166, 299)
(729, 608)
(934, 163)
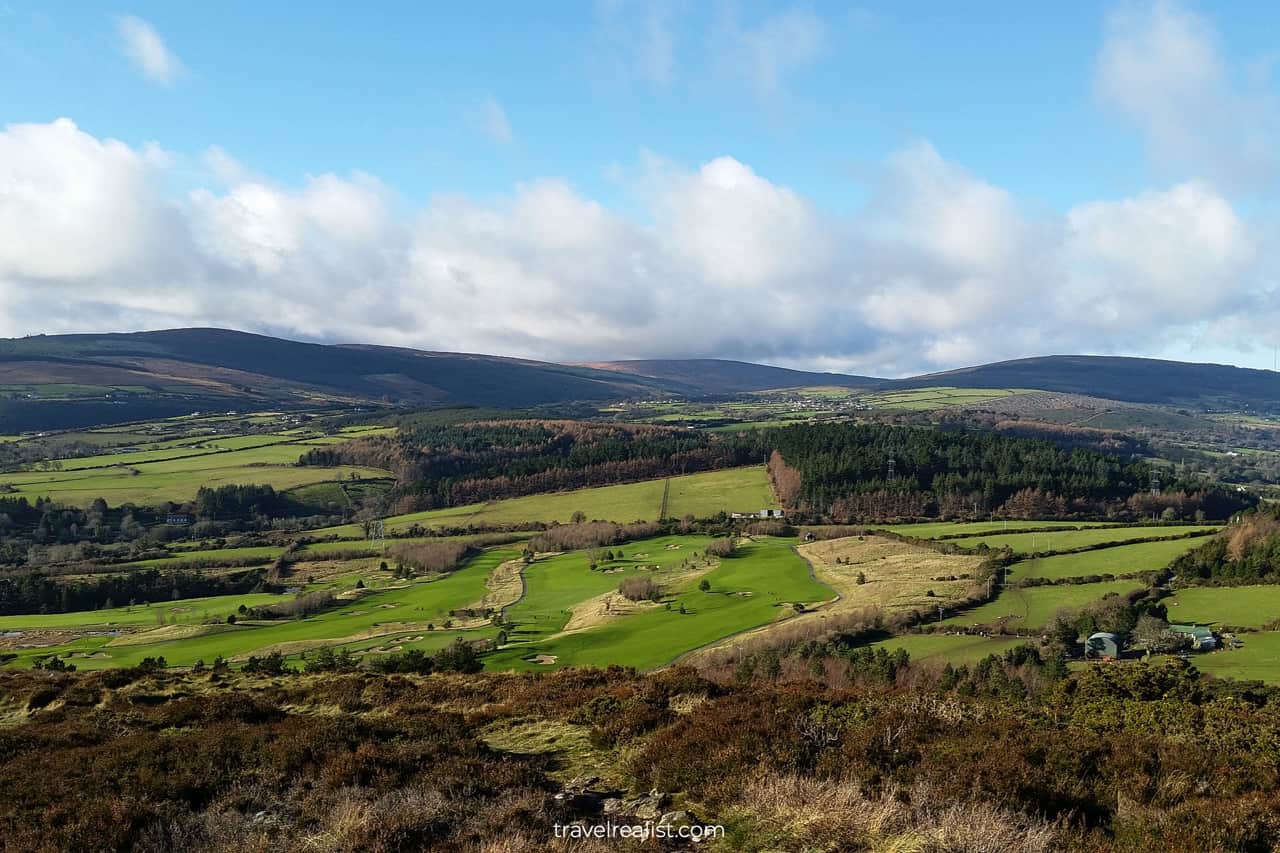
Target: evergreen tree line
(441, 465)
(1247, 552)
(37, 593)
(872, 471)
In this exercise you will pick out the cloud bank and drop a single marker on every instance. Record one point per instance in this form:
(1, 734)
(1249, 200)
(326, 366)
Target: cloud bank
(939, 268)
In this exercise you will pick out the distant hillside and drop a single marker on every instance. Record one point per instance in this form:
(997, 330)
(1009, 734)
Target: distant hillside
(62, 381)
(71, 380)
(718, 376)
(1138, 380)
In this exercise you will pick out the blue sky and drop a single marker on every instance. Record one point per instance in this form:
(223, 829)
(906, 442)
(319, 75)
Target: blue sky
(939, 183)
(396, 92)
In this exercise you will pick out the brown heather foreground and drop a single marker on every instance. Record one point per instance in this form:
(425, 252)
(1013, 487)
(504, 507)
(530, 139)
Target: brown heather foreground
(1125, 759)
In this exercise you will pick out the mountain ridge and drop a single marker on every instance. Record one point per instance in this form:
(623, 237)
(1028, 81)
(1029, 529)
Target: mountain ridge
(178, 370)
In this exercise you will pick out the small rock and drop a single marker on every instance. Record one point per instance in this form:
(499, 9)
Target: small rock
(582, 783)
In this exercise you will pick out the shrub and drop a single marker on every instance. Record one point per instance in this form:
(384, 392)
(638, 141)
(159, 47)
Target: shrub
(272, 664)
(721, 547)
(640, 589)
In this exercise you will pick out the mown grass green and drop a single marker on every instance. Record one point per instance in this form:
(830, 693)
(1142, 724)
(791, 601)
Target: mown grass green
(752, 588)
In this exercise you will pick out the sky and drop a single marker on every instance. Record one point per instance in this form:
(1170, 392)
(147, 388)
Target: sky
(881, 189)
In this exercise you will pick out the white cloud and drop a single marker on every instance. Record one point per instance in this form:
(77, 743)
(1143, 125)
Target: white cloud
(764, 53)
(493, 122)
(638, 38)
(1161, 67)
(939, 268)
(1166, 255)
(144, 47)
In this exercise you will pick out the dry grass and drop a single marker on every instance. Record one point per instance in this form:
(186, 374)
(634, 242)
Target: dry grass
(791, 812)
(898, 576)
(504, 587)
(170, 632)
(602, 608)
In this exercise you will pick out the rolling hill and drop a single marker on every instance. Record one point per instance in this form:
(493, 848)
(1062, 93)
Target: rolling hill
(61, 381)
(719, 376)
(1135, 380)
(73, 380)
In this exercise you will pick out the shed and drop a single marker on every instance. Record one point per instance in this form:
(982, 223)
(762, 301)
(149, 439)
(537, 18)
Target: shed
(1202, 638)
(1102, 645)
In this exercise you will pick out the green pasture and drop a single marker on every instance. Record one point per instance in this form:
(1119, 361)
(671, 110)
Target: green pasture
(413, 604)
(1118, 560)
(227, 556)
(186, 450)
(183, 612)
(1031, 607)
(948, 648)
(1257, 659)
(700, 494)
(729, 490)
(1239, 606)
(156, 482)
(1066, 540)
(940, 529)
(937, 397)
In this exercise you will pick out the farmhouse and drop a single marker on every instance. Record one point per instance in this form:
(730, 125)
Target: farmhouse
(764, 513)
(1201, 638)
(1102, 645)
(177, 518)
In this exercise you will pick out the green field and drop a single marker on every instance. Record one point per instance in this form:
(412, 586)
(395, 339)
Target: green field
(752, 588)
(949, 648)
(1019, 608)
(1239, 606)
(730, 490)
(152, 483)
(183, 612)
(1118, 560)
(749, 589)
(186, 449)
(1066, 540)
(940, 529)
(700, 494)
(224, 556)
(407, 607)
(1258, 659)
(168, 460)
(917, 399)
